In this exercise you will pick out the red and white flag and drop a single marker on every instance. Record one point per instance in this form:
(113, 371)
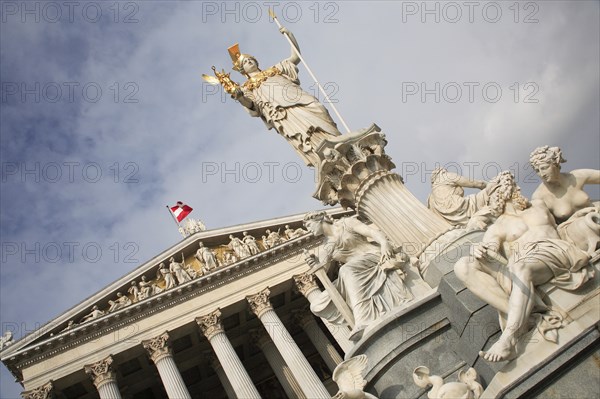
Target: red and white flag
(180, 211)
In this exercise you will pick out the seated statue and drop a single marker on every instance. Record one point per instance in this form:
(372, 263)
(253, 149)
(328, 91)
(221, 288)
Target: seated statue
(94, 314)
(520, 251)
(448, 199)
(366, 282)
(6, 339)
(293, 233)
(119, 303)
(563, 195)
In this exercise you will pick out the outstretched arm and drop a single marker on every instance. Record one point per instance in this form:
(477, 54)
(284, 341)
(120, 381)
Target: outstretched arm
(587, 176)
(462, 181)
(294, 57)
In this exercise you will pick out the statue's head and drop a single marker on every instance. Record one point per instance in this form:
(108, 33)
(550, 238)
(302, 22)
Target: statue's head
(546, 162)
(249, 64)
(506, 190)
(243, 63)
(313, 221)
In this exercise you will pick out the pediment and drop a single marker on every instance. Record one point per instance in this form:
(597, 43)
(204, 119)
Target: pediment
(58, 332)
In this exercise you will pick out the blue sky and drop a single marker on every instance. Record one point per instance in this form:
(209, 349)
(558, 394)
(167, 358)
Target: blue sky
(105, 119)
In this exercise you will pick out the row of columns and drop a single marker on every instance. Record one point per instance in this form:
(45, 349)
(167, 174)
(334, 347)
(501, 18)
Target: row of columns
(291, 368)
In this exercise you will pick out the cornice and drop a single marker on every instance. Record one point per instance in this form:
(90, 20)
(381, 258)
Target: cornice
(155, 304)
(189, 242)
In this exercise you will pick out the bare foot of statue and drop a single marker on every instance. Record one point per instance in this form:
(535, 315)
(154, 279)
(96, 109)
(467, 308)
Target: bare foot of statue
(503, 349)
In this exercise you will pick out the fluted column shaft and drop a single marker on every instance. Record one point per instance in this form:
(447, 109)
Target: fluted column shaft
(327, 351)
(307, 378)
(280, 368)
(308, 287)
(162, 356)
(234, 369)
(109, 390)
(104, 378)
(399, 214)
(214, 361)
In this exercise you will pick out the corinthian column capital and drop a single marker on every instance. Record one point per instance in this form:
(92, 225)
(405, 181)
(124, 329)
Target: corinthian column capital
(43, 392)
(210, 324)
(259, 303)
(158, 347)
(101, 372)
(305, 283)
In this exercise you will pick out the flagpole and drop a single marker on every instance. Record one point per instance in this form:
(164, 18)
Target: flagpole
(173, 216)
(272, 15)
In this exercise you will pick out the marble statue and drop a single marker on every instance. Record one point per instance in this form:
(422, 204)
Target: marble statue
(350, 379)
(119, 303)
(519, 251)
(145, 289)
(94, 314)
(250, 243)
(230, 258)
(134, 291)
(177, 269)
(156, 288)
(276, 97)
(6, 339)
(563, 194)
(167, 276)
(207, 257)
(191, 226)
(466, 387)
(71, 324)
(265, 242)
(273, 238)
(193, 273)
(290, 233)
(368, 289)
(448, 199)
(241, 250)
